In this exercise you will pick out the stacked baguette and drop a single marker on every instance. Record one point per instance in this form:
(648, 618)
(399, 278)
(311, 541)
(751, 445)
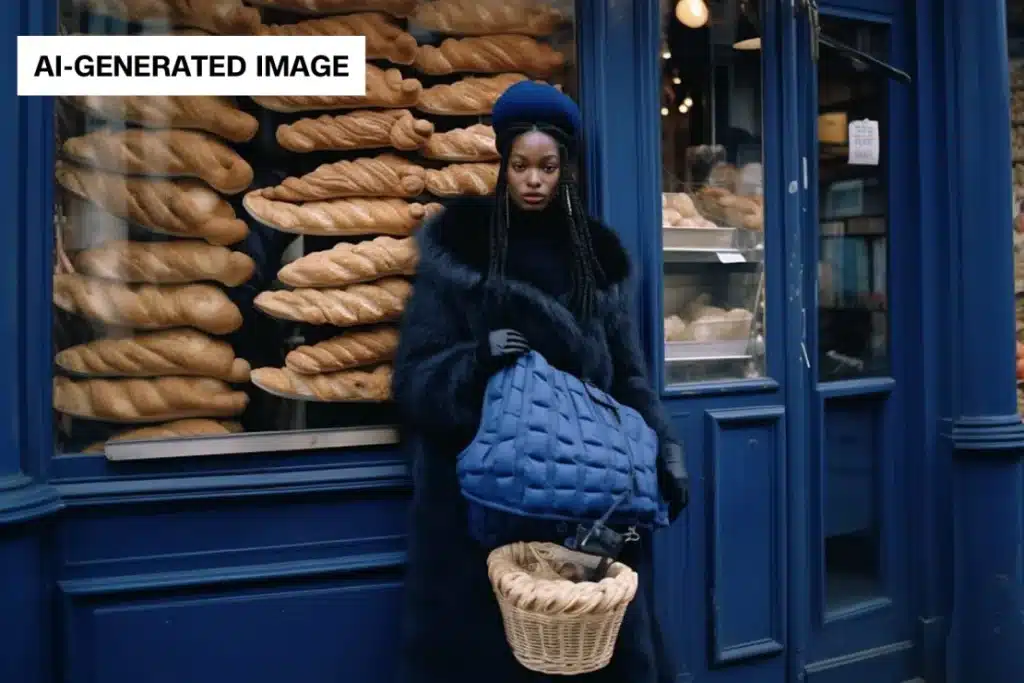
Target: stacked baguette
(164, 166)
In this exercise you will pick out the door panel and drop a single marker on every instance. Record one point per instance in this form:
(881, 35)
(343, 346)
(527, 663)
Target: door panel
(858, 616)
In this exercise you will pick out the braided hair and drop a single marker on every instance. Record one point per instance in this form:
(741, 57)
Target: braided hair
(585, 270)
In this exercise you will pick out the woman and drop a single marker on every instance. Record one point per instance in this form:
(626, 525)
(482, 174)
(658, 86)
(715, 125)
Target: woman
(499, 276)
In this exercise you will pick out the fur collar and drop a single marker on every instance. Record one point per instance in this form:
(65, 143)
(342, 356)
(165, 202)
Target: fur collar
(455, 245)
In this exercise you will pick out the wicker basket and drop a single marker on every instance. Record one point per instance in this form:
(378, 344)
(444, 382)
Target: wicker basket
(556, 623)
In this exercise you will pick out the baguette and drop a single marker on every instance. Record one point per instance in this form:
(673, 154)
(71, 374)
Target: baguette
(396, 128)
(173, 153)
(483, 17)
(181, 352)
(336, 387)
(358, 348)
(384, 88)
(170, 430)
(351, 263)
(146, 400)
(220, 17)
(363, 304)
(165, 263)
(474, 143)
(463, 179)
(384, 40)
(340, 217)
(490, 55)
(183, 208)
(215, 115)
(385, 175)
(469, 97)
(396, 8)
(147, 307)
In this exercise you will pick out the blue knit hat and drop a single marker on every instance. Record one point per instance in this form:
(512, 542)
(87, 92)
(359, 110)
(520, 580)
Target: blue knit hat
(531, 103)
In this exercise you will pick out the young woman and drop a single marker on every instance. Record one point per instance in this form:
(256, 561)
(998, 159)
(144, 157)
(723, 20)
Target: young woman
(499, 276)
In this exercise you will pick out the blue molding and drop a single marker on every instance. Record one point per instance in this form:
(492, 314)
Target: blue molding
(765, 385)
(22, 499)
(393, 475)
(223, 576)
(989, 434)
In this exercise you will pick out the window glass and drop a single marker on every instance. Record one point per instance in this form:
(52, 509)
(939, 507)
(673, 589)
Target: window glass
(239, 265)
(1015, 40)
(713, 199)
(853, 209)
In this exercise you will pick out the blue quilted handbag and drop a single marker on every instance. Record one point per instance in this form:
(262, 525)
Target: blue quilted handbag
(551, 447)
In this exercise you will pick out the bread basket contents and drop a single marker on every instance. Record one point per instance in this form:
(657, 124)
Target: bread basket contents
(346, 386)
(679, 211)
(220, 17)
(211, 114)
(474, 143)
(368, 129)
(385, 40)
(385, 175)
(349, 263)
(701, 322)
(395, 8)
(340, 217)
(170, 430)
(482, 17)
(384, 88)
(146, 400)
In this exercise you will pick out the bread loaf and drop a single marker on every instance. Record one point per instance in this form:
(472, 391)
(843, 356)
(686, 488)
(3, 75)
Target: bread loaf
(221, 17)
(354, 349)
(396, 8)
(384, 88)
(386, 175)
(364, 304)
(340, 217)
(469, 97)
(197, 112)
(349, 263)
(171, 430)
(396, 128)
(463, 179)
(474, 143)
(336, 387)
(384, 40)
(483, 17)
(182, 352)
(147, 307)
(146, 400)
(490, 55)
(173, 153)
(183, 208)
(165, 263)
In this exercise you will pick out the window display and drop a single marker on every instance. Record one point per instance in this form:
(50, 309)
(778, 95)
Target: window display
(713, 199)
(238, 265)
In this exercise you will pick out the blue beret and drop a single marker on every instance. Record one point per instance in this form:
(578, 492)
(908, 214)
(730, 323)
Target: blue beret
(530, 102)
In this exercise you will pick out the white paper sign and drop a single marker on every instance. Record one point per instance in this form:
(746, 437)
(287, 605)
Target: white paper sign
(864, 143)
(730, 257)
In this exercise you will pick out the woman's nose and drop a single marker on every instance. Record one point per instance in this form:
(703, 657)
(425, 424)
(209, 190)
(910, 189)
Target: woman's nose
(533, 179)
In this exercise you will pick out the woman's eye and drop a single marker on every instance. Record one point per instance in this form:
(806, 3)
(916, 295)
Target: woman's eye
(551, 169)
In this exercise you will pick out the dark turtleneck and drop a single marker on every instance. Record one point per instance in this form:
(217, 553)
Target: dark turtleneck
(540, 249)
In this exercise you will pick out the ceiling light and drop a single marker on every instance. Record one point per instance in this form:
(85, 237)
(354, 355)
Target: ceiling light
(676, 80)
(666, 55)
(683, 109)
(692, 13)
(688, 102)
(664, 111)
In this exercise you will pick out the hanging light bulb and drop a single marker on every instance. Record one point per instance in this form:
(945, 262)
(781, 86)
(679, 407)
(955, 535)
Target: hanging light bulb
(692, 13)
(676, 80)
(666, 55)
(664, 111)
(688, 102)
(683, 109)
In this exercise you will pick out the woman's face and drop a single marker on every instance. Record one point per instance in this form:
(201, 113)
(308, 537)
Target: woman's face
(534, 167)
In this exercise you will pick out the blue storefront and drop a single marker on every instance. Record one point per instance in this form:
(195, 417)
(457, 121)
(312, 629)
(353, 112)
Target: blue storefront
(836, 349)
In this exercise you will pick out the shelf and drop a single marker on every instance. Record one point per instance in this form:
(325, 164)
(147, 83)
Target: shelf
(725, 256)
(692, 352)
(711, 245)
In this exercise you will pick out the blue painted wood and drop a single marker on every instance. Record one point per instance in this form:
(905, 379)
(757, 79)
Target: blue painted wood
(310, 631)
(26, 604)
(746, 522)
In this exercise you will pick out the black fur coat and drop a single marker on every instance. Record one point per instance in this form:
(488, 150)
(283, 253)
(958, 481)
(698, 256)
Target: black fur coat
(452, 631)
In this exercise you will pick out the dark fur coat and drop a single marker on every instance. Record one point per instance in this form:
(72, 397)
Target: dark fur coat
(452, 631)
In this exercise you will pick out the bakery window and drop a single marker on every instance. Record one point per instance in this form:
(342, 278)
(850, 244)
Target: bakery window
(227, 268)
(853, 207)
(712, 182)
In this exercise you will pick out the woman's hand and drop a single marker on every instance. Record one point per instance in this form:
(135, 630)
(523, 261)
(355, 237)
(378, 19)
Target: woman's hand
(502, 348)
(673, 480)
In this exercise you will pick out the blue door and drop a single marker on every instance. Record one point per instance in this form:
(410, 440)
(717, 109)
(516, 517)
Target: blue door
(852, 612)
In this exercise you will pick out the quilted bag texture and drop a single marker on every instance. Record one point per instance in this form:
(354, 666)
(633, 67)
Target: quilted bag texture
(551, 447)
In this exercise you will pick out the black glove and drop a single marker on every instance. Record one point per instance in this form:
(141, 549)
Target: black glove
(673, 480)
(501, 348)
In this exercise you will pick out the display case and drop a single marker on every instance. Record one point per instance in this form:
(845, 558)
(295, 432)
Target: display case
(231, 271)
(713, 198)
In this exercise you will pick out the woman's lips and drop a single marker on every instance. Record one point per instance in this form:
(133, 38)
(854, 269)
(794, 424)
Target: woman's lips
(533, 198)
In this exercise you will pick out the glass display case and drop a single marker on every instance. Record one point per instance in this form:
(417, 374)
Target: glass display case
(226, 266)
(713, 197)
